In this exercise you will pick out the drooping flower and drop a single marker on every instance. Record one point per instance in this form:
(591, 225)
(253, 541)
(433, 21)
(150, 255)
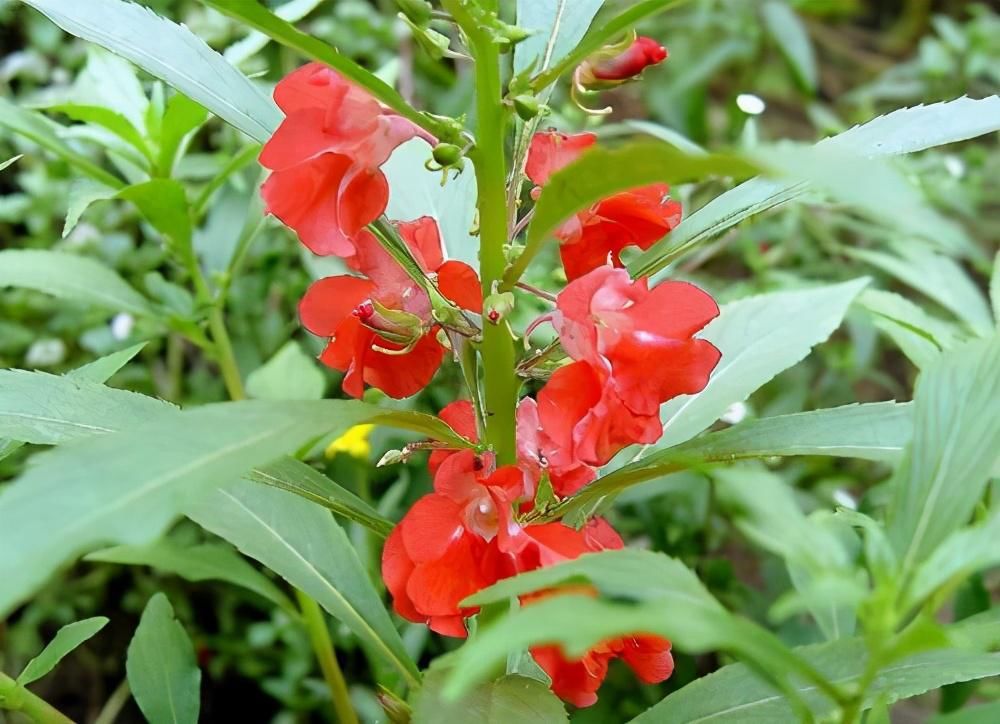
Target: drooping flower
(380, 328)
(325, 158)
(613, 67)
(597, 236)
(634, 349)
(446, 547)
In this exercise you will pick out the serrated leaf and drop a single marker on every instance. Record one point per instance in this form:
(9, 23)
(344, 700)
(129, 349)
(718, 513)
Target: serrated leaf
(46, 409)
(111, 81)
(82, 193)
(904, 131)
(955, 447)
(510, 698)
(919, 335)
(295, 476)
(71, 277)
(67, 639)
(127, 487)
(556, 25)
(303, 544)
(203, 562)
(104, 368)
(162, 670)
(414, 192)
(171, 53)
(758, 337)
(792, 38)
(290, 375)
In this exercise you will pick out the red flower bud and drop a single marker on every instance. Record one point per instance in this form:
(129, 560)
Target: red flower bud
(643, 53)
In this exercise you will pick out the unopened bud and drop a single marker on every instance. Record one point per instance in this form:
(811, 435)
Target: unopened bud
(620, 63)
(498, 306)
(447, 154)
(396, 710)
(527, 107)
(364, 311)
(392, 457)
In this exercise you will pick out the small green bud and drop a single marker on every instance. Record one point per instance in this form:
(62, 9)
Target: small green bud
(447, 154)
(527, 107)
(497, 307)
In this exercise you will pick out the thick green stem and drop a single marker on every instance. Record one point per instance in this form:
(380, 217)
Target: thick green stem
(319, 635)
(224, 354)
(500, 382)
(16, 698)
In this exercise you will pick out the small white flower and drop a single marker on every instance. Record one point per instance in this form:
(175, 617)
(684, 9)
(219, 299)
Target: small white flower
(45, 353)
(122, 325)
(844, 499)
(735, 413)
(750, 104)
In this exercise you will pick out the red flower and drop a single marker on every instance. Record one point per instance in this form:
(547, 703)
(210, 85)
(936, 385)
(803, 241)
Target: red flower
(380, 328)
(326, 157)
(446, 547)
(596, 236)
(642, 53)
(635, 350)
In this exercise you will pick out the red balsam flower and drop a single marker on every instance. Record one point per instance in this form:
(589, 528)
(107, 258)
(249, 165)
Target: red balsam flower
(596, 237)
(625, 66)
(325, 157)
(370, 341)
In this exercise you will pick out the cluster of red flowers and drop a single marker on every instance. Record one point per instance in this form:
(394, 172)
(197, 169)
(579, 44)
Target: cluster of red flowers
(631, 348)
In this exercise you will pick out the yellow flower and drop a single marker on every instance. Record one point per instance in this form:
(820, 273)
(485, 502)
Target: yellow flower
(354, 442)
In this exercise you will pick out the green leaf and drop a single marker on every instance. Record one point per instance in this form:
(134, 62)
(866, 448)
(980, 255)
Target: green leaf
(127, 487)
(995, 289)
(736, 694)
(71, 277)
(46, 409)
(104, 368)
(956, 436)
(981, 714)
(792, 38)
(508, 699)
(758, 337)
(106, 118)
(196, 563)
(39, 129)
(11, 161)
(67, 639)
(172, 53)
(904, 131)
(110, 81)
(181, 119)
(414, 192)
(242, 50)
(940, 278)
(82, 193)
(601, 172)
(667, 135)
(260, 18)
(919, 335)
(305, 481)
(877, 431)
(290, 375)
(871, 185)
(164, 205)
(303, 544)
(162, 670)
(557, 27)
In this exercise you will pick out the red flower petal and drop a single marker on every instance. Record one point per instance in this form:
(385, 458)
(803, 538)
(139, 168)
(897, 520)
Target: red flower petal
(403, 375)
(430, 528)
(649, 657)
(459, 283)
(550, 151)
(396, 570)
(329, 301)
(576, 682)
(437, 586)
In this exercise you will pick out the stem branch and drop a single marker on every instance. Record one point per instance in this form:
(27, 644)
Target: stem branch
(15, 697)
(319, 635)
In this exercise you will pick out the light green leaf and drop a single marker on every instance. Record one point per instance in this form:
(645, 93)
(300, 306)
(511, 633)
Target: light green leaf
(290, 375)
(956, 445)
(254, 42)
(164, 205)
(601, 172)
(162, 670)
(303, 544)
(509, 699)
(106, 118)
(758, 337)
(39, 129)
(919, 335)
(995, 289)
(667, 135)
(877, 431)
(71, 277)
(171, 53)
(104, 368)
(792, 38)
(46, 409)
(557, 27)
(297, 477)
(82, 193)
(414, 192)
(127, 487)
(110, 81)
(11, 161)
(736, 694)
(204, 562)
(181, 119)
(940, 278)
(904, 131)
(981, 714)
(67, 639)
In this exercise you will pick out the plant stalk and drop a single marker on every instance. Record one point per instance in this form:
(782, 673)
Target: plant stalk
(15, 697)
(319, 635)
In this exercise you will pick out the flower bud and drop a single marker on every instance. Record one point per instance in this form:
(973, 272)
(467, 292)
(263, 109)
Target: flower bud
(498, 306)
(447, 154)
(527, 107)
(616, 64)
(392, 457)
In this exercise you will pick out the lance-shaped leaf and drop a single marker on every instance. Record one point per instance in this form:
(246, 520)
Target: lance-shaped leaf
(556, 26)
(171, 53)
(67, 639)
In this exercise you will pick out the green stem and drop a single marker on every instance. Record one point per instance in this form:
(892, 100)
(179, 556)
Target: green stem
(224, 354)
(15, 697)
(500, 382)
(319, 635)
(114, 705)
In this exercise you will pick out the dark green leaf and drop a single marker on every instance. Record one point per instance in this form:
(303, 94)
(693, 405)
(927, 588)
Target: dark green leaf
(181, 118)
(164, 205)
(67, 639)
(162, 670)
